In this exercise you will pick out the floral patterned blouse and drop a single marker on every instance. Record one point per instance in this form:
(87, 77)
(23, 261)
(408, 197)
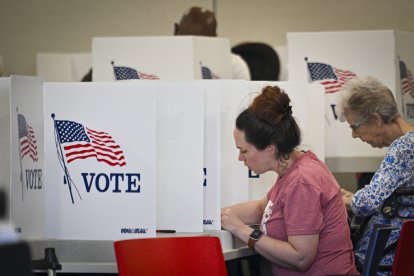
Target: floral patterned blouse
(396, 170)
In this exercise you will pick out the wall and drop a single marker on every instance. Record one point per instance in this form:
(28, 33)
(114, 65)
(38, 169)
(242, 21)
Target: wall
(270, 20)
(29, 27)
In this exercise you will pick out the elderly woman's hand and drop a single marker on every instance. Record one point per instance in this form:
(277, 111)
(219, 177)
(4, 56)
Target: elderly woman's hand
(347, 198)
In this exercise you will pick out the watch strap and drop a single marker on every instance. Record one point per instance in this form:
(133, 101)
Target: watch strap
(254, 236)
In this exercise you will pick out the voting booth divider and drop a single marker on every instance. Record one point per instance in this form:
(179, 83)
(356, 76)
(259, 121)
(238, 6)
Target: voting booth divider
(119, 160)
(163, 57)
(100, 160)
(333, 58)
(23, 98)
(120, 58)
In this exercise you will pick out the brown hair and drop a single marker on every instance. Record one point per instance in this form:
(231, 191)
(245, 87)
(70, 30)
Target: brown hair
(268, 120)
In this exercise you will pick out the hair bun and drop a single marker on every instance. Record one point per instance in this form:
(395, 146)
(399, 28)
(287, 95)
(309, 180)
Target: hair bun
(271, 105)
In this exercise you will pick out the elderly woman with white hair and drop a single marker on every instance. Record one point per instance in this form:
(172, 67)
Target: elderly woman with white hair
(369, 107)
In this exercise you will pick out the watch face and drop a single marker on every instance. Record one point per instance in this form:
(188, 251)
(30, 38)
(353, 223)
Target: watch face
(256, 234)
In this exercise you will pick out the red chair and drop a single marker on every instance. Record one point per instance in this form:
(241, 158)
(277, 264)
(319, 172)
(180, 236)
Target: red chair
(201, 255)
(403, 264)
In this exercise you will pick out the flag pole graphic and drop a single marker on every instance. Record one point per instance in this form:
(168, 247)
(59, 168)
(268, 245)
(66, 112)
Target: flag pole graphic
(307, 70)
(66, 179)
(113, 64)
(20, 152)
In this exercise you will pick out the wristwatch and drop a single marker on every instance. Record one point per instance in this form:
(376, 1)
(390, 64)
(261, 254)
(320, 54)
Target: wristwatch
(254, 236)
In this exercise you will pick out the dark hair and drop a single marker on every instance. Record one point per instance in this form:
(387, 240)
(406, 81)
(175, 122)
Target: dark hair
(268, 121)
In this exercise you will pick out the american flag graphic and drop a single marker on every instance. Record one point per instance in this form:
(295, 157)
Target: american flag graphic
(128, 73)
(27, 139)
(407, 82)
(333, 79)
(206, 73)
(80, 142)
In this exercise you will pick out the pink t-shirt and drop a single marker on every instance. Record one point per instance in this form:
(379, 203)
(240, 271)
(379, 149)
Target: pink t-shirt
(307, 200)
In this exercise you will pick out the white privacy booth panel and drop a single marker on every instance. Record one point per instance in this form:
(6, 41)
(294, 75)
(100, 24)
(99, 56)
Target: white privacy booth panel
(180, 137)
(27, 185)
(212, 156)
(100, 160)
(234, 175)
(405, 86)
(185, 57)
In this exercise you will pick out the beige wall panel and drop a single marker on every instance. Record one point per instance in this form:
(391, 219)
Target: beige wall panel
(270, 20)
(29, 27)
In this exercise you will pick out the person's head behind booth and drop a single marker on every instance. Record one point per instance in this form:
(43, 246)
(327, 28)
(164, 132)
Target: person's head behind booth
(200, 21)
(197, 21)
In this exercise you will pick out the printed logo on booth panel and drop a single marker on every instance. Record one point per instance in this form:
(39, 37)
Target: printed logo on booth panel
(31, 175)
(74, 142)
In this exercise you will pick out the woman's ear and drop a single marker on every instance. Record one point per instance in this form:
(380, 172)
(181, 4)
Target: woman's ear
(377, 119)
(271, 149)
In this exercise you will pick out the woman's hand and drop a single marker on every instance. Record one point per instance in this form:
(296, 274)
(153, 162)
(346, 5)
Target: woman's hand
(230, 221)
(347, 198)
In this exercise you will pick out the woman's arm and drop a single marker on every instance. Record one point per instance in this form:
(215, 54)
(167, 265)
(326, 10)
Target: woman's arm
(297, 253)
(385, 181)
(249, 212)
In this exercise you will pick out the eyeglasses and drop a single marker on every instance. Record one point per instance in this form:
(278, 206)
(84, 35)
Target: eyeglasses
(355, 126)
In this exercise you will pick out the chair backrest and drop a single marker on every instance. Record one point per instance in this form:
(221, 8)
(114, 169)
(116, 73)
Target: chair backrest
(378, 240)
(201, 255)
(404, 253)
(15, 259)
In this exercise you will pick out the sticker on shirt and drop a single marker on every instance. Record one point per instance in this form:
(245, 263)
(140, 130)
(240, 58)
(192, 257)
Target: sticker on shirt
(266, 215)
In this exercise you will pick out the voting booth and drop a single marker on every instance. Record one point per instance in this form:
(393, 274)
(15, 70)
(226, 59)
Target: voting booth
(78, 169)
(119, 160)
(332, 59)
(164, 58)
(63, 67)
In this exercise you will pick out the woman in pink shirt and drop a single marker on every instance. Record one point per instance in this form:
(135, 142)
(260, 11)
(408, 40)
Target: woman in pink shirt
(304, 228)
